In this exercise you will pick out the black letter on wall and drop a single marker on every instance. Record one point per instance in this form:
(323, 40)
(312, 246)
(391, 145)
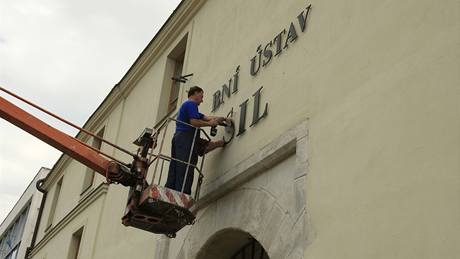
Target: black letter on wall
(255, 114)
(216, 101)
(226, 90)
(303, 19)
(291, 36)
(242, 126)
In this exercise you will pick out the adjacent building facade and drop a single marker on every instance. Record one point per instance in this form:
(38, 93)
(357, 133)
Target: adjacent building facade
(17, 230)
(347, 140)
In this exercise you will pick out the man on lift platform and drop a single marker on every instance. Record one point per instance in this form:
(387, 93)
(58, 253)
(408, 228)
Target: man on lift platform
(183, 139)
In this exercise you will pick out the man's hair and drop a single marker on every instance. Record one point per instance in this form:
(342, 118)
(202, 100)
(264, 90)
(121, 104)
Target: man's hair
(194, 89)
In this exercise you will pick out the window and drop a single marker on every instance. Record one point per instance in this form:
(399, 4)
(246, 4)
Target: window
(171, 88)
(13, 254)
(75, 242)
(175, 85)
(11, 240)
(54, 202)
(22, 222)
(89, 174)
(5, 244)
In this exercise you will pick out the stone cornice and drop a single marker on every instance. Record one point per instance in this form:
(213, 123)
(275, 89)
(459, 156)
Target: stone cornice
(56, 171)
(265, 158)
(81, 206)
(102, 112)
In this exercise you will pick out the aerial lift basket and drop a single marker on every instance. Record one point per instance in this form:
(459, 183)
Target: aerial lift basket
(155, 208)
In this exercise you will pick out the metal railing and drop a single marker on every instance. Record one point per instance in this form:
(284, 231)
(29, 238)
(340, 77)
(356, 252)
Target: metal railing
(157, 154)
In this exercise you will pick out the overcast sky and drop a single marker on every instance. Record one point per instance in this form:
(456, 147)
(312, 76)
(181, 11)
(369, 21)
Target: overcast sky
(65, 56)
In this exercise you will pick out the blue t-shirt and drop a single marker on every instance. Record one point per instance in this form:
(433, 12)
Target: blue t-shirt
(187, 111)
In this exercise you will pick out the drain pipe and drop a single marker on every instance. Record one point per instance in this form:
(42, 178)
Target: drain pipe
(40, 211)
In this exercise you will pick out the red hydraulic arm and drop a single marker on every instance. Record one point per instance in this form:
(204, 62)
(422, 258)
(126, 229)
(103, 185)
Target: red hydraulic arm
(65, 143)
(52, 136)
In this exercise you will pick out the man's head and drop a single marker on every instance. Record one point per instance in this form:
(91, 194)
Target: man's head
(195, 94)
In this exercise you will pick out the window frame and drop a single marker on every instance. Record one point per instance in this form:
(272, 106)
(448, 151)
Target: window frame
(54, 203)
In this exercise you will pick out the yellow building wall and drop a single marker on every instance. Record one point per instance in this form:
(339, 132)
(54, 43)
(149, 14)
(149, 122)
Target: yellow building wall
(379, 83)
(385, 143)
(58, 245)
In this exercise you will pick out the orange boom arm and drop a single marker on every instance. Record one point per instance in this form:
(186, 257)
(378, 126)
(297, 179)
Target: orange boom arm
(61, 141)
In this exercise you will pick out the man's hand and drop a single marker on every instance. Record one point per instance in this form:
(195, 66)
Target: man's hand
(210, 121)
(213, 122)
(220, 119)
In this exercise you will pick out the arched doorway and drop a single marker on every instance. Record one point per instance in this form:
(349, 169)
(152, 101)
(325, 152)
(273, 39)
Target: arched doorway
(232, 244)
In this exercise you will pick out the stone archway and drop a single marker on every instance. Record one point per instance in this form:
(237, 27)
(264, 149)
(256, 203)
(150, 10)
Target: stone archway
(283, 233)
(269, 207)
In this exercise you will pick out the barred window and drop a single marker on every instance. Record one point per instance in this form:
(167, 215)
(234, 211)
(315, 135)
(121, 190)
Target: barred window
(251, 250)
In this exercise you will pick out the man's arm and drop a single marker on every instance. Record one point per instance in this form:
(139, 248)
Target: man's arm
(208, 118)
(203, 122)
